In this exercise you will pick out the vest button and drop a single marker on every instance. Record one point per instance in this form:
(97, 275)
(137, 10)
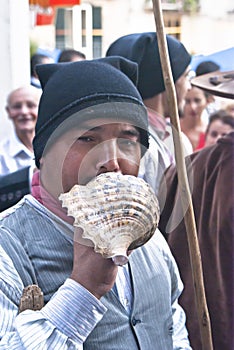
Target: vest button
(135, 321)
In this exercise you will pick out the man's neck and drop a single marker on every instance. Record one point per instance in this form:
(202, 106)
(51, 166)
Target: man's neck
(156, 103)
(26, 137)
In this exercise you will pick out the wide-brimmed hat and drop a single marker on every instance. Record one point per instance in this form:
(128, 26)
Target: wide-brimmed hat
(216, 83)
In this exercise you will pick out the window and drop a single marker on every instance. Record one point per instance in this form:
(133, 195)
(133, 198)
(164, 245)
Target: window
(80, 27)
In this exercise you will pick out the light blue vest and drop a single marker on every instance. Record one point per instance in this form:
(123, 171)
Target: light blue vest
(43, 254)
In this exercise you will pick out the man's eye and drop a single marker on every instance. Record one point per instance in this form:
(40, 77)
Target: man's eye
(16, 106)
(85, 139)
(214, 134)
(127, 142)
(31, 105)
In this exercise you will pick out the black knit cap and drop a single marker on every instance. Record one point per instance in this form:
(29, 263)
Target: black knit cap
(143, 49)
(71, 90)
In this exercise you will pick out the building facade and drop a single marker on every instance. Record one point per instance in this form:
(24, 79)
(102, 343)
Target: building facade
(93, 25)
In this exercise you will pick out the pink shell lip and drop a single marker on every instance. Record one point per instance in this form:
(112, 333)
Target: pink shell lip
(120, 260)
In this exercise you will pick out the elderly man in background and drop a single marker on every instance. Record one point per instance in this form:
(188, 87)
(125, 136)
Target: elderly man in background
(16, 151)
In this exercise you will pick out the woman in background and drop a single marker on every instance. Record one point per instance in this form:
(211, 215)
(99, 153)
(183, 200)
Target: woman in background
(191, 121)
(220, 124)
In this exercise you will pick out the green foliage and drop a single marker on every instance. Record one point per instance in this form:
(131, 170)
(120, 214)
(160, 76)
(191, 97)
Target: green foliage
(191, 5)
(33, 48)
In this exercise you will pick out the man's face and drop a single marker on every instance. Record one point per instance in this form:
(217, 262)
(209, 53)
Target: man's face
(22, 108)
(97, 146)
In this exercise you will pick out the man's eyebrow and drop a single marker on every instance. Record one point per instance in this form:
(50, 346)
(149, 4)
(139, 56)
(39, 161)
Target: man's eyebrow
(131, 132)
(86, 128)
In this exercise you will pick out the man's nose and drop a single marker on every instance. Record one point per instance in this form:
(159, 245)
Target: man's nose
(193, 105)
(108, 156)
(24, 109)
(218, 137)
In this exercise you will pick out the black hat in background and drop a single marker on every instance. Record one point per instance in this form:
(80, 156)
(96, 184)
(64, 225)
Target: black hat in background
(71, 90)
(206, 67)
(143, 49)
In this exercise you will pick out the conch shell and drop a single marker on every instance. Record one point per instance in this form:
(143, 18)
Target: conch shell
(117, 213)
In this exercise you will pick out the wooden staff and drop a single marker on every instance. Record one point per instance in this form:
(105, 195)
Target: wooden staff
(194, 251)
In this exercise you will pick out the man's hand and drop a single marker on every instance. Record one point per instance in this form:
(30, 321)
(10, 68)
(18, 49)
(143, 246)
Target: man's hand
(92, 271)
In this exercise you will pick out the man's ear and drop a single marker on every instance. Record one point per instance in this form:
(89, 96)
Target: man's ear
(8, 112)
(41, 161)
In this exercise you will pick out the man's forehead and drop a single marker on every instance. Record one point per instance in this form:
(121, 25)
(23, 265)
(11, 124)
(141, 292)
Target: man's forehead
(102, 123)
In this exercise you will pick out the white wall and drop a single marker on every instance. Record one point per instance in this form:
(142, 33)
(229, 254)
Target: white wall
(204, 33)
(122, 17)
(216, 8)
(15, 55)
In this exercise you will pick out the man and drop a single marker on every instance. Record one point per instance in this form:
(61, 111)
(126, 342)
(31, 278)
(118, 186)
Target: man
(143, 49)
(214, 105)
(211, 179)
(91, 121)
(36, 59)
(16, 151)
(71, 55)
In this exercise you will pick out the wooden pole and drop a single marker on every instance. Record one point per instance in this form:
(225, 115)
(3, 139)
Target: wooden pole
(194, 251)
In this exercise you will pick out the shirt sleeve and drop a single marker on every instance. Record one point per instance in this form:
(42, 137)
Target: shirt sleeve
(63, 323)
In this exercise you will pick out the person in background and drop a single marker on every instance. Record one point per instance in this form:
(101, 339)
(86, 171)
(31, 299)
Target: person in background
(36, 59)
(211, 180)
(97, 126)
(229, 108)
(142, 48)
(220, 124)
(206, 67)
(210, 173)
(191, 121)
(71, 55)
(16, 151)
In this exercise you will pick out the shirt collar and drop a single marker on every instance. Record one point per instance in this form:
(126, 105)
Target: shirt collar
(16, 146)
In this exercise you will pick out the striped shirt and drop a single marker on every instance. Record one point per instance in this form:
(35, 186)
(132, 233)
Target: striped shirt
(72, 315)
(14, 155)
